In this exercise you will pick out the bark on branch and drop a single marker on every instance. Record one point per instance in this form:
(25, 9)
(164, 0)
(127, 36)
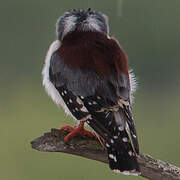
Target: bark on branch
(90, 148)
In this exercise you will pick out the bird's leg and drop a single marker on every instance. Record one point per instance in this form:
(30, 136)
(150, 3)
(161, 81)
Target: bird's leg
(76, 130)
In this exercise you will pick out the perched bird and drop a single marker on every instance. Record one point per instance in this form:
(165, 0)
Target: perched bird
(86, 72)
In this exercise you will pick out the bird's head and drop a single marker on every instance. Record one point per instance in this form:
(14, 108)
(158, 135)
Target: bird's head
(81, 20)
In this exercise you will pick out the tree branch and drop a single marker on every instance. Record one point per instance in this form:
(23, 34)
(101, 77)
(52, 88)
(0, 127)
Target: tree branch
(90, 148)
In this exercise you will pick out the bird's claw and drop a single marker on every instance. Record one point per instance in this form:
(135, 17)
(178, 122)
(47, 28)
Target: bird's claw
(75, 131)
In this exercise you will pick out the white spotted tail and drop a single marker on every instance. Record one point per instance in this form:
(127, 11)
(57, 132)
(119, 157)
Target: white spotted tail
(122, 154)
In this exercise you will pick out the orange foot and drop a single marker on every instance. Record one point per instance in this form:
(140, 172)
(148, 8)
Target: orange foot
(76, 130)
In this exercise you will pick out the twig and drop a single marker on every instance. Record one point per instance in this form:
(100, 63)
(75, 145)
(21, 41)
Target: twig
(90, 148)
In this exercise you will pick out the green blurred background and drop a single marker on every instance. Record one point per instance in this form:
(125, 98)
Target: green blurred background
(147, 30)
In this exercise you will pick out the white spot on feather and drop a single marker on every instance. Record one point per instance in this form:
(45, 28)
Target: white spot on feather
(98, 97)
(120, 128)
(134, 136)
(130, 153)
(111, 156)
(124, 139)
(107, 145)
(79, 101)
(112, 141)
(84, 109)
(94, 102)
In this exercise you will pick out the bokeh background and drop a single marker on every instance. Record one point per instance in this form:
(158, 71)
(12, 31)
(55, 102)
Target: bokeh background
(147, 30)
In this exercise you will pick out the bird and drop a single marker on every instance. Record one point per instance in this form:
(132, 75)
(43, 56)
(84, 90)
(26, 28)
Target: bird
(86, 72)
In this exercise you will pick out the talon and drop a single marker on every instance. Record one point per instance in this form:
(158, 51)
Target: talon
(75, 131)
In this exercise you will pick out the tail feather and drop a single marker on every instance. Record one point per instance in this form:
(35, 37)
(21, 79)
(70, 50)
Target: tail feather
(121, 155)
(122, 161)
(132, 128)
